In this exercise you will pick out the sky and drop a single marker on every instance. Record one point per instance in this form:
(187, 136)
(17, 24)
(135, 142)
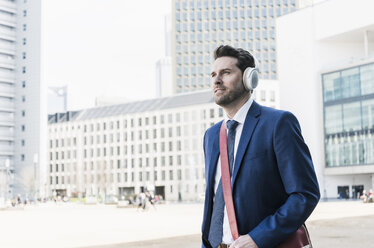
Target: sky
(103, 47)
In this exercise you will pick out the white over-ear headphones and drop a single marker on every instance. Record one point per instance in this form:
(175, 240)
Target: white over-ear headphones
(250, 76)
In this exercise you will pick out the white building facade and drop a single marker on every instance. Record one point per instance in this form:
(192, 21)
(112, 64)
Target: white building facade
(22, 100)
(326, 72)
(126, 149)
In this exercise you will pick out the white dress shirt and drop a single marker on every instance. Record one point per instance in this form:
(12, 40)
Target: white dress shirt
(239, 117)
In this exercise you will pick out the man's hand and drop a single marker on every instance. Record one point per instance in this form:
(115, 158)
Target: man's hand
(244, 241)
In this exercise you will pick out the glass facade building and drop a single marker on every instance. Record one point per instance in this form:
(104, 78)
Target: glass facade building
(348, 102)
(199, 26)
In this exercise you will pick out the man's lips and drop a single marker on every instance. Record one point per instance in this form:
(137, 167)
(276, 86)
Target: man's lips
(218, 90)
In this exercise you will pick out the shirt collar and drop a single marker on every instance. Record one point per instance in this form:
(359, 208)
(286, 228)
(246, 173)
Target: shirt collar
(242, 113)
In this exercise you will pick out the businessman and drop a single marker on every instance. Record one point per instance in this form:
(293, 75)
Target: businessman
(274, 186)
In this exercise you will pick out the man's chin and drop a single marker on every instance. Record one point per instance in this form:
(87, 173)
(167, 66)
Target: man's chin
(220, 100)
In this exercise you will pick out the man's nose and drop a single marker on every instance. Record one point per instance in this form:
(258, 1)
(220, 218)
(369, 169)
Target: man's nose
(217, 80)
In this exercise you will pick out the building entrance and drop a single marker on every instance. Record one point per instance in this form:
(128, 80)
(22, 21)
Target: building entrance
(61, 192)
(126, 192)
(357, 191)
(343, 192)
(160, 190)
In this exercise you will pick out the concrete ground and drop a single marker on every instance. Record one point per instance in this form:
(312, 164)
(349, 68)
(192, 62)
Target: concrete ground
(332, 224)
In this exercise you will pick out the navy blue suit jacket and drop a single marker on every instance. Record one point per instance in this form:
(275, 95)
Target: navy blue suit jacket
(274, 185)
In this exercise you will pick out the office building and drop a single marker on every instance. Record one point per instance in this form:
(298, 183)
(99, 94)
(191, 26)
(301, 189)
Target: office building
(199, 26)
(23, 106)
(326, 72)
(125, 149)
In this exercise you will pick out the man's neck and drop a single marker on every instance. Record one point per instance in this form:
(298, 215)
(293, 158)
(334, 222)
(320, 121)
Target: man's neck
(234, 107)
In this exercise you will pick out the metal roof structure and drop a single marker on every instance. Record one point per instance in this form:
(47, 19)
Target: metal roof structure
(176, 101)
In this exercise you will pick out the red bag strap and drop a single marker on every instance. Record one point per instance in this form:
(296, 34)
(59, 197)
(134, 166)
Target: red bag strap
(226, 181)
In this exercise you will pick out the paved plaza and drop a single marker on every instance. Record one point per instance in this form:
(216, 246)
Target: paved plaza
(333, 224)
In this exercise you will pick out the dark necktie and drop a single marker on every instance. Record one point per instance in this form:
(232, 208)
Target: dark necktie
(231, 125)
(216, 231)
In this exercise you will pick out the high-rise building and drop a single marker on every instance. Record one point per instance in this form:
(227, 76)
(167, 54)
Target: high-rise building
(164, 85)
(23, 123)
(326, 72)
(199, 26)
(57, 99)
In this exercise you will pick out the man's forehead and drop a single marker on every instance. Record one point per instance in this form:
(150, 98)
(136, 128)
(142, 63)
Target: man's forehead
(224, 62)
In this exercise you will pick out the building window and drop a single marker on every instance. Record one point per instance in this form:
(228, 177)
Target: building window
(263, 95)
(272, 95)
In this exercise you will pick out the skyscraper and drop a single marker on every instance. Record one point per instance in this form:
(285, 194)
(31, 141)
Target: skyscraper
(23, 117)
(199, 26)
(164, 86)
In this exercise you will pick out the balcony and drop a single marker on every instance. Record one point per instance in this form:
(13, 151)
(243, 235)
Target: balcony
(6, 88)
(6, 123)
(6, 152)
(6, 74)
(6, 138)
(8, 64)
(9, 35)
(9, 50)
(7, 94)
(8, 7)
(7, 107)
(10, 22)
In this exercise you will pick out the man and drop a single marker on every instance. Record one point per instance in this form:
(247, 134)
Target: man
(274, 186)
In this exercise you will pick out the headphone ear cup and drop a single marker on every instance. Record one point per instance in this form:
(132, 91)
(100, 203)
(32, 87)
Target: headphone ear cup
(250, 78)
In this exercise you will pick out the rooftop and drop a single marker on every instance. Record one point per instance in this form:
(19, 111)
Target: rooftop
(176, 101)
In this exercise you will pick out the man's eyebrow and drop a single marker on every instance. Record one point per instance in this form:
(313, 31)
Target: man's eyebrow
(224, 69)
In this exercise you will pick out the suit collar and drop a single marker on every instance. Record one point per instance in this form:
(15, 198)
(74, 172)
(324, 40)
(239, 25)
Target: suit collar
(250, 124)
(242, 112)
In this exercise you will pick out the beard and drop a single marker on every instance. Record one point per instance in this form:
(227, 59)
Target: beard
(227, 97)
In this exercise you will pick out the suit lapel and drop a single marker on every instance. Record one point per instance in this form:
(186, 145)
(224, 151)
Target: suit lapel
(250, 124)
(214, 153)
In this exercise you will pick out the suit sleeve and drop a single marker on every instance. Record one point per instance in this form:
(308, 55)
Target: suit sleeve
(204, 242)
(299, 181)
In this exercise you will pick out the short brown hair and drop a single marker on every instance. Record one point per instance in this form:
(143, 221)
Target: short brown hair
(245, 59)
